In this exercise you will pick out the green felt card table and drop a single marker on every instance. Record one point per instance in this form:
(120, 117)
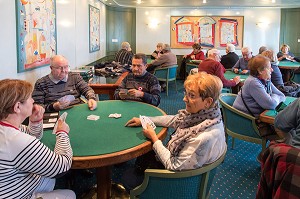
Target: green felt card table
(229, 74)
(290, 67)
(268, 116)
(105, 142)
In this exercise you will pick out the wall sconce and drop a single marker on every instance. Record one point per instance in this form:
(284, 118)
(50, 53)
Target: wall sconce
(262, 24)
(153, 23)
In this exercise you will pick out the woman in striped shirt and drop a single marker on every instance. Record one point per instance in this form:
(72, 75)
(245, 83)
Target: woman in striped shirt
(27, 167)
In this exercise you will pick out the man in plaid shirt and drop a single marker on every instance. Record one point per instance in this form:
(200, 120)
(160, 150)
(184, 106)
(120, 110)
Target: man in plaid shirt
(280, 176)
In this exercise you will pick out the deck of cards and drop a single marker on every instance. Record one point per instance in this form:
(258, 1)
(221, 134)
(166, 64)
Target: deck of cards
(115, 115)
(93, 117)
(145, 120)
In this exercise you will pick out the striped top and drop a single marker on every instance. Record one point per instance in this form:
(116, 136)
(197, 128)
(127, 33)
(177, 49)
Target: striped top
(124, 57)
(46, 92)
(25, 161)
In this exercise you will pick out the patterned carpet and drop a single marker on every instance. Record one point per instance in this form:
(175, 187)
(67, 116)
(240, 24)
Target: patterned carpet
(237, 177)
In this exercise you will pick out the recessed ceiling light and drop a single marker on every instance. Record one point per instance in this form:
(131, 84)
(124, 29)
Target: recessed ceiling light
(273, 1)
(204, 1)
(139, 1)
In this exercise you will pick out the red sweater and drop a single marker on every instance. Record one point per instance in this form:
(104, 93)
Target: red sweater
(215, 68)
(198, 56)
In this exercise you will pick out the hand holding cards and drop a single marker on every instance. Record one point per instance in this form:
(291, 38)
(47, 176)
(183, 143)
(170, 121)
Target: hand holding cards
(145, 120)
(63, 118)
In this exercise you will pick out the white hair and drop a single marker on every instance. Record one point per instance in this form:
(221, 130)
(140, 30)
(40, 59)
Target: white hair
(230, 48)
(213, 51)
(246, 50)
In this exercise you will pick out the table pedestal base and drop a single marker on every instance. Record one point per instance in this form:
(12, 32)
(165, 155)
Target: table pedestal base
(103, 182)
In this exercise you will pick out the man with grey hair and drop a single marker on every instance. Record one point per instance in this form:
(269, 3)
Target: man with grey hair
(230, 58)
(124, 56)
(241, 65)
(213, 66)
(62, 88)
(166, 59)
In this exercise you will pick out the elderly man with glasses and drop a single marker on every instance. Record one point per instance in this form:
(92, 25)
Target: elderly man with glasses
(241, 65)
(61, 88)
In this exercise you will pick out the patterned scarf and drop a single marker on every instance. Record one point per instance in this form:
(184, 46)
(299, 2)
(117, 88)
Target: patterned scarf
(204, 118)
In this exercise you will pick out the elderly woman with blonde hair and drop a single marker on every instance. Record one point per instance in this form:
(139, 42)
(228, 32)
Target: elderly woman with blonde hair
(28, 167)
(199, 134)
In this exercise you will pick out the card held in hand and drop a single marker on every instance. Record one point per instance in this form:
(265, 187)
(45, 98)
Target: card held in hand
(145, 120)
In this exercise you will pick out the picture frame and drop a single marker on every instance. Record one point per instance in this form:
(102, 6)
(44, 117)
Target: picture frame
(94, 29)
(209, 31)
(36, 33)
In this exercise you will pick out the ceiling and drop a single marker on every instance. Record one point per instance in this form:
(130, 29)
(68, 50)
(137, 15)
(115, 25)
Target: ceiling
(208, 4)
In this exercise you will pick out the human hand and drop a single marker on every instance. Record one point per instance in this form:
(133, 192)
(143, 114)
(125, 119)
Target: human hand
(62, 126)
(60, 105)
(235, 70)
(134, 122)
(92, 104)
(192, 56)
(150, 133)
(37, 113)
(135, 93)
(244, 72)
(237, 79)
(184, 56)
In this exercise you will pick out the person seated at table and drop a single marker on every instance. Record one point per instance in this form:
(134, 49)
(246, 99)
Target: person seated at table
(166, 59)
(213, 66)
(287, 123)
(139, 85)
(280, 170)
(52, 91)
(199, 133)
(288, 88)
(229, 60)
(241, 66)
(28, 167)
(285, 53)
(124, 55)
(158, 51)
(258, 92)
(196, 54)
(262, 49)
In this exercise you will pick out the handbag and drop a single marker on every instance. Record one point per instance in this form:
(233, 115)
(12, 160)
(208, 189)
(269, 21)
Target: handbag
(265, 129)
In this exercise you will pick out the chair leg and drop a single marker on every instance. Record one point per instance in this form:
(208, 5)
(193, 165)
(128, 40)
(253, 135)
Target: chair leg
(232, 146)
(167, 83)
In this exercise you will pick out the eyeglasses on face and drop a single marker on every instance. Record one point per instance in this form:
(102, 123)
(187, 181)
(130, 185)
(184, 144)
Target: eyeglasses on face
(61, 67)
(190, 95)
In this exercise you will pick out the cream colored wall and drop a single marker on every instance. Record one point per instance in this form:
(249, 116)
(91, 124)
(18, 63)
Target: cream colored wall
(72, 37)
(254, 36)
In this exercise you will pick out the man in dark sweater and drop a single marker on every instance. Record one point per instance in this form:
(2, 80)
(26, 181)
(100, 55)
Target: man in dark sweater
(230, 58)
(61, 88)
(139, 85)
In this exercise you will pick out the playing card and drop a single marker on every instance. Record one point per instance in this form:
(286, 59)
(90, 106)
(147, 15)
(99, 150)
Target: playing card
(115, 115)
(67, 98)
(63, 118)
(93, 117)
(145, 120)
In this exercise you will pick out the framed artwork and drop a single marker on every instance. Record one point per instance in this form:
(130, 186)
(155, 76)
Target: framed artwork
(209, 31)
(36, 33)
(94, 28)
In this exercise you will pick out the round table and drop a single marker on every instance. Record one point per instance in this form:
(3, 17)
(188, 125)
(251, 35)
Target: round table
(105, 142)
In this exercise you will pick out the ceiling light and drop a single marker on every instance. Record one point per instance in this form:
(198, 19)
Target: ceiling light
(139, 1)
(204, 1)
(273, 1)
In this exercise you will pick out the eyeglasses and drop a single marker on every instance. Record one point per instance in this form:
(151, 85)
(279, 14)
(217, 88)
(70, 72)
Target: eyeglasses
(190, 96)
(61, 67)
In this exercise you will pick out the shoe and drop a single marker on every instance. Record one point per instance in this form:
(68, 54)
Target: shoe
(118, 191)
